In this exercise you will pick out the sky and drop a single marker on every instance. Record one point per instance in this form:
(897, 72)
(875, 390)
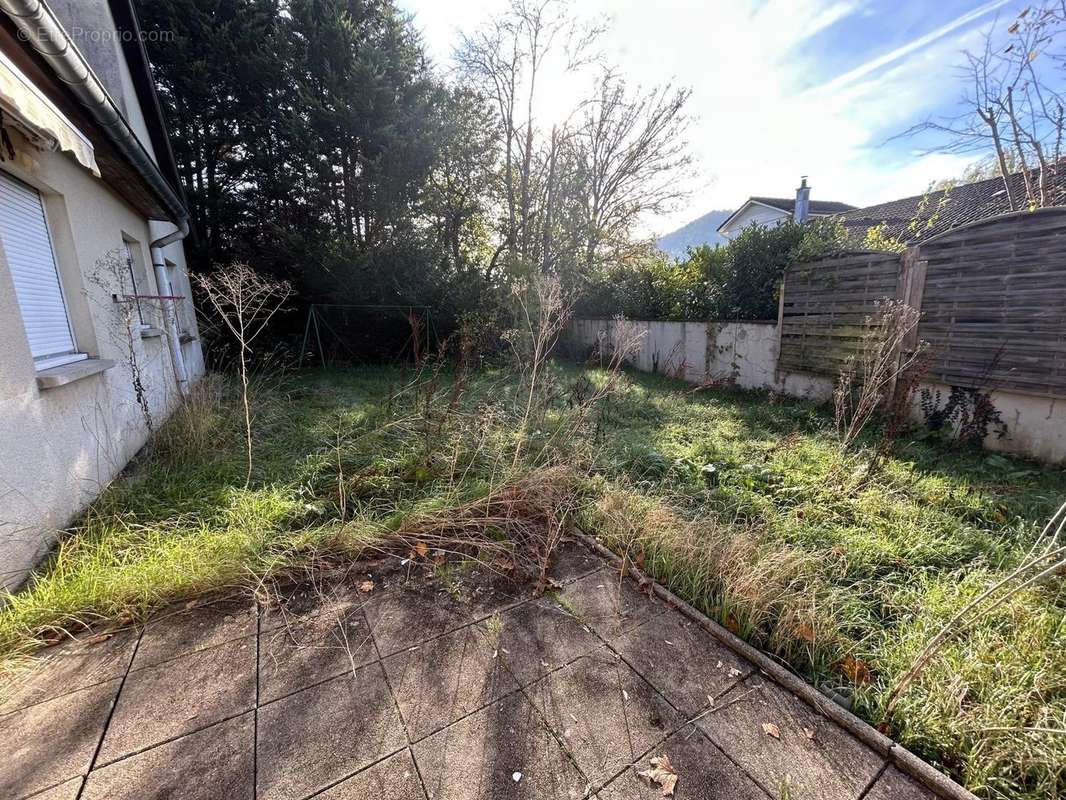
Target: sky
(781, 88)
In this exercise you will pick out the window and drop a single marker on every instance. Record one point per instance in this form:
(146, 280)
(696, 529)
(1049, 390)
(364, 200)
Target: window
(31, 260)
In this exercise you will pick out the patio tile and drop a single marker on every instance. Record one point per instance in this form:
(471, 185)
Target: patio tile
(209, 764)
(50, 742)
(395, 778)
(312, 649)
(311, 739)
(610, 606)
(573, 560)
(185, 630)
(179, 696)
(683, 661)
(76, 664)
(336, 594)
(400, 618)
(894, 785)
(832, 765)
(488, 592)
(444, 679)
(65, 791)
(603, 712)
(704, 773)
(537, 637)
(479, 758)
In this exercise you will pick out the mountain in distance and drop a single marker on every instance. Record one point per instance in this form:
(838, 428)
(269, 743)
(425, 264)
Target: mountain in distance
(703, 230)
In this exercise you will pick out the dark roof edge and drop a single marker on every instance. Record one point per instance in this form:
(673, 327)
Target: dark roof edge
(133, 49)
(1046, 210)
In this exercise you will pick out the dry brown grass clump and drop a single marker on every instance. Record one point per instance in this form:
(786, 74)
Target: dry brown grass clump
(762, 591)
(514, 528)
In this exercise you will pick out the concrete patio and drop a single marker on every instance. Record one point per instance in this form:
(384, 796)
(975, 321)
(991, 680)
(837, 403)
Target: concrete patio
(460, 688)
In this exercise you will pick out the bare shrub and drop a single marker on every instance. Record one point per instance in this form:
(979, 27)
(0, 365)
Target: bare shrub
(866, 382)
(543, 311)
(245, 302)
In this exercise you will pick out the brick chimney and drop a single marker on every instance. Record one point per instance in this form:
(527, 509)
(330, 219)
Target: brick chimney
(803, 202)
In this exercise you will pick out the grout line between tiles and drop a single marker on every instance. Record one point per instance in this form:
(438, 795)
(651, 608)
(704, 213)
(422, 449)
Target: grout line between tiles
(110, 716)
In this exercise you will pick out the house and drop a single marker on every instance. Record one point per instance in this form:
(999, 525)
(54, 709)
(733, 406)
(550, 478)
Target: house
(914, 219)
(772, 211)
(98, 340)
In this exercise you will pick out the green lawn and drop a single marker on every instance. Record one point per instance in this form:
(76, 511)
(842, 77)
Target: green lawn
(740, 502)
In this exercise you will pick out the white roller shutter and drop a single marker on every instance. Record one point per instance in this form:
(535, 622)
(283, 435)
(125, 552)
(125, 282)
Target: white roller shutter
(28, 248)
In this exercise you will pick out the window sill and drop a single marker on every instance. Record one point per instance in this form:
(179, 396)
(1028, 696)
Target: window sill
(151, 333)
(68, 373)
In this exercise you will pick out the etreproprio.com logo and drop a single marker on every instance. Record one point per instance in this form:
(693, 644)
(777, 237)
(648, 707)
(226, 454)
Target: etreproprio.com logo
(95, 35)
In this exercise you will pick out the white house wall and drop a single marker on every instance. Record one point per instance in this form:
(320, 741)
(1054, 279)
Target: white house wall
(60, 446)
(756, 214)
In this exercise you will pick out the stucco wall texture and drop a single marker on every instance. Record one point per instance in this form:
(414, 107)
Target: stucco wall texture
(60, 446)
(744, 354)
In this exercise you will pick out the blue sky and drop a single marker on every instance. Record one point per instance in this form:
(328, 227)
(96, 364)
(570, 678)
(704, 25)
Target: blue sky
(781, 88)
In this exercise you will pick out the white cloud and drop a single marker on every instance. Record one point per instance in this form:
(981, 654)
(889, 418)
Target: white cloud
(755, 131)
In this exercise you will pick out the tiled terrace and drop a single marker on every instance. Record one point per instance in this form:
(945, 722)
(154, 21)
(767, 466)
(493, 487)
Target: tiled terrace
(409, 691)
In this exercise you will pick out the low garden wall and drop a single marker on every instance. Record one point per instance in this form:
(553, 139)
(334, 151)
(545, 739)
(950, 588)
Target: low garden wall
(739, 353)
(746, 354)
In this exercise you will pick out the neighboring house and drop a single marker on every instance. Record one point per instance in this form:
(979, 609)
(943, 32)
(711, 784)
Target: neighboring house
(772, 211)
(97, 332)
(914, 219)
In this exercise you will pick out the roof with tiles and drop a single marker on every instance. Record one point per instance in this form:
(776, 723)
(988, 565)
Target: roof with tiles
(915, 219)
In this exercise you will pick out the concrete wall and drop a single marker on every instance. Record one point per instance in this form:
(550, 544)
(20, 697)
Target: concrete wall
(738, 353)
(60, 446)
(744, 354)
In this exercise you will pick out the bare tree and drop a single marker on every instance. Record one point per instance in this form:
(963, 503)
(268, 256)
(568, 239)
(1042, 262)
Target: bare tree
(245, 302)
(631, 158)
(1013, 108)
(506, 59)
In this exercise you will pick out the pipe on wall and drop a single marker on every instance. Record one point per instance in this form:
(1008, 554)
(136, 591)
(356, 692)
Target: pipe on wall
(170, 316)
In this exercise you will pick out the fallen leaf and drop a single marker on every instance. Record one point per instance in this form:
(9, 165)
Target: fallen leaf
(857, 670)
(805, 631)
(808, 732)
(98, 638)
(504, 563)
(639, 560)
(366, 586)
(771, 730)
(661, 773)
(731, 624)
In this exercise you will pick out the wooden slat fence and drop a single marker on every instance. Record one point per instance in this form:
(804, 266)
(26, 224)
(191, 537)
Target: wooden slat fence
(992, 296)
(825, 304)
(994, 304)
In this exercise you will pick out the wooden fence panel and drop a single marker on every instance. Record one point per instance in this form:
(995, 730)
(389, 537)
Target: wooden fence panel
(825, 304)
(994, 304)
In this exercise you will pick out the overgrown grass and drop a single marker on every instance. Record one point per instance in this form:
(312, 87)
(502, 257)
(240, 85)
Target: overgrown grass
(740, 502)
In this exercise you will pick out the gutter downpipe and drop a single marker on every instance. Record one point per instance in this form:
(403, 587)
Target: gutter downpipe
(39, 27)
(170, 316)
